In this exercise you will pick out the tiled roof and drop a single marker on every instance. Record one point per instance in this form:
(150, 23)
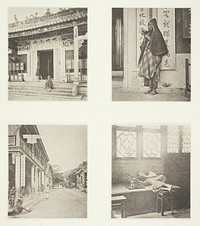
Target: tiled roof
(34, 22)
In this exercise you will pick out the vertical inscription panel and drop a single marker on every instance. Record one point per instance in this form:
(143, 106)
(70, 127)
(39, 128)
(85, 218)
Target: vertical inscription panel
(166, 24)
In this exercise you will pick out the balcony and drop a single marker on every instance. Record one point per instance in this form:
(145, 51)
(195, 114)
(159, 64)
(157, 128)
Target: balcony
(27, 150)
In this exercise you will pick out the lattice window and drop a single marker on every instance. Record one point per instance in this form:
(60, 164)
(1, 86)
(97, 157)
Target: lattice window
(173, 139)
(179, 139)
(186, 143)
(151, 145)
(151, 127)
(126, 144)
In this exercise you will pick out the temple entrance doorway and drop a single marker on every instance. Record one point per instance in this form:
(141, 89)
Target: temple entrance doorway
(45, 63)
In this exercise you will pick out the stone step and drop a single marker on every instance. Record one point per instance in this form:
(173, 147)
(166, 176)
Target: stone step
(46, 96)
(42, 83)
(57, 86)
(42, 92)
(62, 90)
(39, 89)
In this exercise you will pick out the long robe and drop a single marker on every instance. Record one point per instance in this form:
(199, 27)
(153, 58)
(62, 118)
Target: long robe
(151, 54)
(49, 84)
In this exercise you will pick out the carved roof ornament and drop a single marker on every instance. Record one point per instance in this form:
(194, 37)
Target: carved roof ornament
(80, 43)
(48, 11)
(62, 18)
(16, 20)
(61, 10)
(67, 42)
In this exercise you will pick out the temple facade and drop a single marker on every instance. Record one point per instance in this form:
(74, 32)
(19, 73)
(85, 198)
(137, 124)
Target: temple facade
(175, 25)
(54, 44)
(29, 171)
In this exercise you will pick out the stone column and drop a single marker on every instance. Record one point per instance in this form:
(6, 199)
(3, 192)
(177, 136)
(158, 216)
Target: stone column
(36, 179)
(33, 62)
(23, 170)
(17, 173)
(76, 58)
(28, 77)
(39, 181)
(42, 175)
(62, 63)
(33, 179)
(57, 64)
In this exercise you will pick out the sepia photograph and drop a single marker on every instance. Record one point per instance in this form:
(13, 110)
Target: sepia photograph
(151, 54)
(47, 171)
(47, 54)
(151, 171)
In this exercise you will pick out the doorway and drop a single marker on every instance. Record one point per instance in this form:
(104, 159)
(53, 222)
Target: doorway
(45, 63)
(117, 39)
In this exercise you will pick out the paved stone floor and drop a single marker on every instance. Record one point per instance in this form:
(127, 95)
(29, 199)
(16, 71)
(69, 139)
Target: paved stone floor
(62, 203)
(13, 97)
(122, 95)
(184, 213)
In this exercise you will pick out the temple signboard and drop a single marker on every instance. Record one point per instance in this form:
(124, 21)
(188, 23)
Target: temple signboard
(142, 24)
(166, 24)
(187, 23)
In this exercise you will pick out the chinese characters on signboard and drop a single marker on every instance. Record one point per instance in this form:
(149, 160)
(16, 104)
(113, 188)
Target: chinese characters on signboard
(166, 24)
(187, 23)
(142, 24)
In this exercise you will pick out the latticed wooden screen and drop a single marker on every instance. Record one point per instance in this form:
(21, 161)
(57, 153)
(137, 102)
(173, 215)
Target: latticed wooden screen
(186, 143)
(147, 141)
(179, 139)
(151, 145)
(126, 144)
(173, 139)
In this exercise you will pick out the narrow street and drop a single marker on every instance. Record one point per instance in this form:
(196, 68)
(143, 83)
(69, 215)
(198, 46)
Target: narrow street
(62, 203)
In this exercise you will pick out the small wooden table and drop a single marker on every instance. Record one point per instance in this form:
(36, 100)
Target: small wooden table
(162, 196)
(119, 202)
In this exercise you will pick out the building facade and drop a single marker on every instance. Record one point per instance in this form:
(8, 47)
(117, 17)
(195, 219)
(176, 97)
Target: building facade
(127, 23)
(29, 171)
(81, 177)
(54, 44)
(50, 176)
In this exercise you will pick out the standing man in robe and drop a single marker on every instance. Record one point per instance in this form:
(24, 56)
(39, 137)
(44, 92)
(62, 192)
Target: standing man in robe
(153, 48)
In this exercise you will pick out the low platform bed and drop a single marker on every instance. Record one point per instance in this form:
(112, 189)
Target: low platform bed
(139, 201)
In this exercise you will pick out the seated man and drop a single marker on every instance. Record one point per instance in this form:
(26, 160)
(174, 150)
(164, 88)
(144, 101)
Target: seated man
(151, 179)
(49, 84)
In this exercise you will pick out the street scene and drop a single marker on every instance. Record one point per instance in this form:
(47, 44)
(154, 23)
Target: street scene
(62, 202)
(47, 171)
(47, 53)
